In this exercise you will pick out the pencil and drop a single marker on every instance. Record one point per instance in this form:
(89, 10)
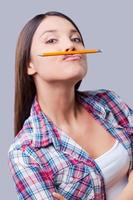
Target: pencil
(83, 51)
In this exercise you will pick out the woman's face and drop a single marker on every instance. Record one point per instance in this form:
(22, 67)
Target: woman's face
(56, 34)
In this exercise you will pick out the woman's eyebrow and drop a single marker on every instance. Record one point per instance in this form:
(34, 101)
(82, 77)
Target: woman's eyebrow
(74, 31)
(54, 31)
(48, 31)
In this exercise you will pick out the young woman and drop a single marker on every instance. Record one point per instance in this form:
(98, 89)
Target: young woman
(74, 143)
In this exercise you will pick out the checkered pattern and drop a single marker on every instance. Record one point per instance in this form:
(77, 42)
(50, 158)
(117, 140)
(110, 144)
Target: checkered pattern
(42, 159)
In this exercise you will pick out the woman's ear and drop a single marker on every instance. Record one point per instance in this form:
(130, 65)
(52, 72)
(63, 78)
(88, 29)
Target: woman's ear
(31, 69)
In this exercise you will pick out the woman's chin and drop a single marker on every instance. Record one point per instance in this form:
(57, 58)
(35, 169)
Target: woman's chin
(76, 75)
(76, 70)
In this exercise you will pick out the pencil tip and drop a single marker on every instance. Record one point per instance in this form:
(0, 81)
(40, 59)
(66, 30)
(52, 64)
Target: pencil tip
(100, 50)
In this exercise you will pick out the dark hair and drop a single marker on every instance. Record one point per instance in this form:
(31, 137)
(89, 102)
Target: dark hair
(25, 89)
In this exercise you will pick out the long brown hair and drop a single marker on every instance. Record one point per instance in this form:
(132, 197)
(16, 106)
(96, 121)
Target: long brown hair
(25, 89)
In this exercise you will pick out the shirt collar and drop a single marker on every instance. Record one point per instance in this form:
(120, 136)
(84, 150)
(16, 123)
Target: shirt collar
(44, 130)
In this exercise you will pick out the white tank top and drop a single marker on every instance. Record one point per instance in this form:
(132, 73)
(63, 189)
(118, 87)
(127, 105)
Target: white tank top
(114, 165)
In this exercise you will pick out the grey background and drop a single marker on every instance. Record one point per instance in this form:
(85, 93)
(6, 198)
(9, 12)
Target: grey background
(104, 24)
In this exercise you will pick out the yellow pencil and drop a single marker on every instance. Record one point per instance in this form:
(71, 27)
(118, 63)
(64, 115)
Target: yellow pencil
(83, 51)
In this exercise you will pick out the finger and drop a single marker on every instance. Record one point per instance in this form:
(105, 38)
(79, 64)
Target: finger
(58, 196)
(130, 177)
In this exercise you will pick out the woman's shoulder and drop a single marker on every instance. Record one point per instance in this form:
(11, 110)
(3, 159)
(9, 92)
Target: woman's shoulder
(23, 138)
(111, 102)
(100, 92)
(103, 95)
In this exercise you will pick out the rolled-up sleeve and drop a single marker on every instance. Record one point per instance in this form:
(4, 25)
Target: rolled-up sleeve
(30, 180)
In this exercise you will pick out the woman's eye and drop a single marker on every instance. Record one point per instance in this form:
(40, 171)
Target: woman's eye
(76, 39)
(51, 41)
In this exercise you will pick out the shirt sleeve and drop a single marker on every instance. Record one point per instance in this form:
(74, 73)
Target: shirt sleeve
(31, 182)
(122, 112)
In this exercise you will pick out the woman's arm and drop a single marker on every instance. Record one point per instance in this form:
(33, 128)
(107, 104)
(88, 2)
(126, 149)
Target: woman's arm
(127, 193)
(31, 181)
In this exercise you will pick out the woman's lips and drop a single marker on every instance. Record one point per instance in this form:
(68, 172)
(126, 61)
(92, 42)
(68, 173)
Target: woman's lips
(72, 57)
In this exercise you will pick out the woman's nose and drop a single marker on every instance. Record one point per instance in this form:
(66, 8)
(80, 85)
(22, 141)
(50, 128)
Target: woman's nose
(70, 49)
(69, 45)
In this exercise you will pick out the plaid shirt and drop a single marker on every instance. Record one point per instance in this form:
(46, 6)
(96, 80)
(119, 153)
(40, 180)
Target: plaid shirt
(43, 160)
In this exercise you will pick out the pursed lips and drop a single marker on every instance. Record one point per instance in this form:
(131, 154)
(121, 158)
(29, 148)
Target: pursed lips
(72, 57)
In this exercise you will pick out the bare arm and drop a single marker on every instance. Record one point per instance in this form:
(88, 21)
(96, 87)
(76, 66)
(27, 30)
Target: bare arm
(127, 193)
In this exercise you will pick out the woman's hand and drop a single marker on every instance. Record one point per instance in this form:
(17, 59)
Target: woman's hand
(58, 196)
(130, 177)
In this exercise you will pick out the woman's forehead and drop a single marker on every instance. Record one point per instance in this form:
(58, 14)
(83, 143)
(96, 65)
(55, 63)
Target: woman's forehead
(54, 24)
